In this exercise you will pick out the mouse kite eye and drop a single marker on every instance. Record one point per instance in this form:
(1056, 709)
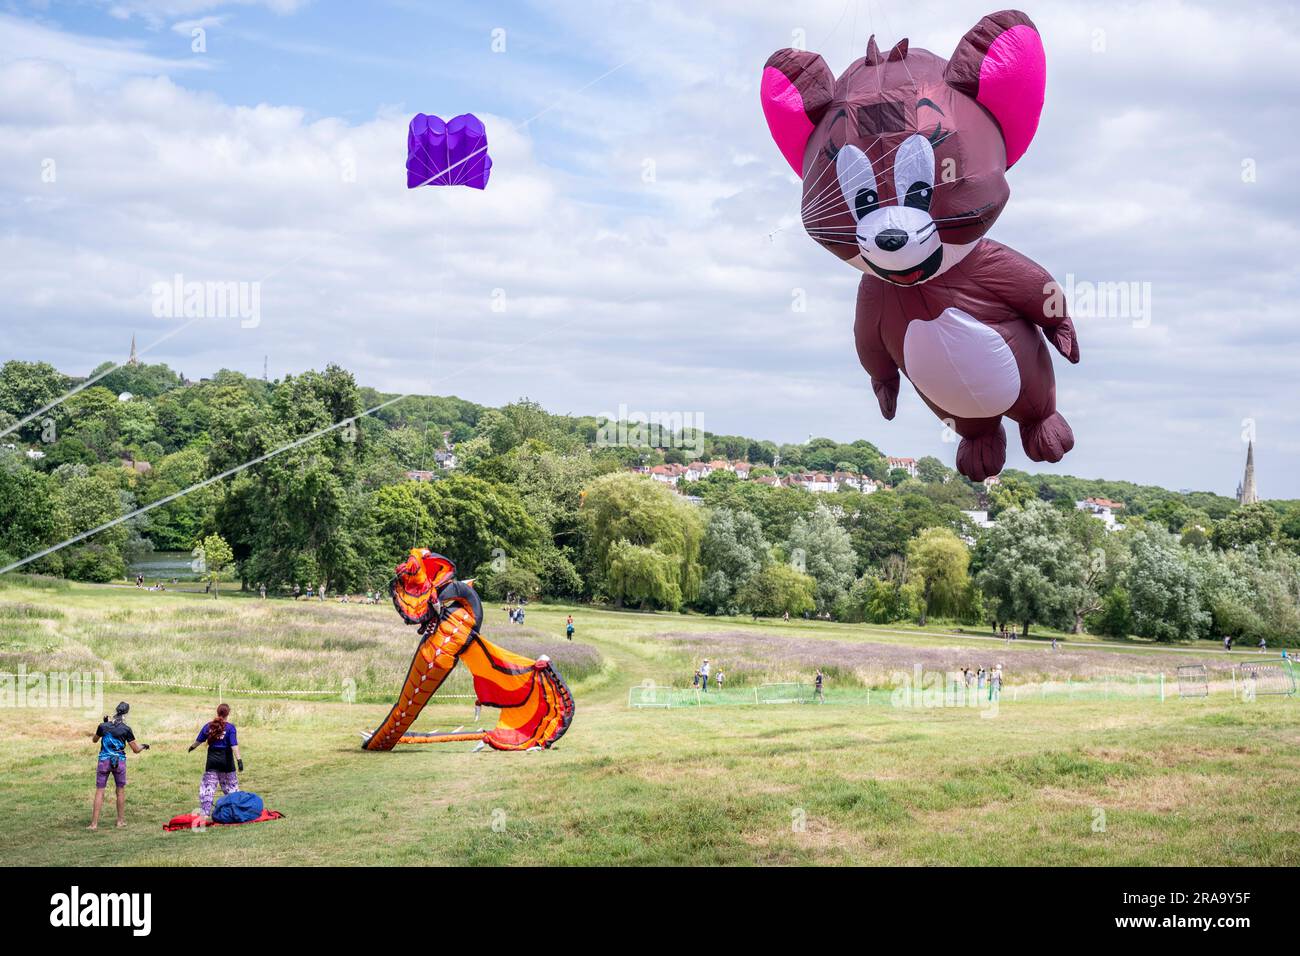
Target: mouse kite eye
(914, 172)
(857, 181)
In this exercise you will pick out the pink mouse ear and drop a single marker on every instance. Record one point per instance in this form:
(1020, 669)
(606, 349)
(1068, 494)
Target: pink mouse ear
(1000, 63)
(796, 89)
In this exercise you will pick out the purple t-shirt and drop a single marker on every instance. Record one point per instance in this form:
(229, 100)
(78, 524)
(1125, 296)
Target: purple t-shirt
(229, 739)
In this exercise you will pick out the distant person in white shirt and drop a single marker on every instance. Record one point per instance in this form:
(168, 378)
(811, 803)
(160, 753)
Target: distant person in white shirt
(704, 675)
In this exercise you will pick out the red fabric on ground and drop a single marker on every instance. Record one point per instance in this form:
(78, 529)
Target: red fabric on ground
(186, 821)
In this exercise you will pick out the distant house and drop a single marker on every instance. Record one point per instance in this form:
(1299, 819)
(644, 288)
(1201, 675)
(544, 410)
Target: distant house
(906, 464)
(446, 458)
(1103, 509)
(979, 519)
(694, 471)
(1101, 503)
(817, 482)
(862, 483)
(418, 475)
(668, 474)
(35, 455)
(697, 470)
(139, 467)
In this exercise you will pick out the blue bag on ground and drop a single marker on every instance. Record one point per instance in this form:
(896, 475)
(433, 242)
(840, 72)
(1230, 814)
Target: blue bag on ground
(238, 807)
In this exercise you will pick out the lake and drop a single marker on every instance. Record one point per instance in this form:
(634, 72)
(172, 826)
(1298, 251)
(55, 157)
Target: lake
(165, 565)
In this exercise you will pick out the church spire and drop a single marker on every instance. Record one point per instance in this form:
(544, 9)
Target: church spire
(133, 360)
(1246, 493)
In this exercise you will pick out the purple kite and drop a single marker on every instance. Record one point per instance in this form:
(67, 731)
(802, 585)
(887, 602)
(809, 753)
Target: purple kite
(453, 153)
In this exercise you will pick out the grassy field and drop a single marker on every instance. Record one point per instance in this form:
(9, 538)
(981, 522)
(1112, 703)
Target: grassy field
(1047, 780)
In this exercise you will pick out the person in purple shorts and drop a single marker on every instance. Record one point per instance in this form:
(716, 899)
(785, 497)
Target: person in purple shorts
(113, 737)
(223, 759)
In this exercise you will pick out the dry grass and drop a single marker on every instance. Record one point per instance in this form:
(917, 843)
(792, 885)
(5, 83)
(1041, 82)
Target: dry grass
(236, 643)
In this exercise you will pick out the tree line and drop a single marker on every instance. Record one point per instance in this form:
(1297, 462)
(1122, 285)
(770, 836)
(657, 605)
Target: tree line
(538, 505)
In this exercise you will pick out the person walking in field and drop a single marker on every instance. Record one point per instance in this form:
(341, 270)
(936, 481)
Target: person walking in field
(113, 737)
(568, 628)
(719, 678)
(223, 761)
(995, 683)
(979, 679)
(817, 687)
(1263, 645)
(1054, 647)
(261, 590)
(1227, 643)
(704, 675)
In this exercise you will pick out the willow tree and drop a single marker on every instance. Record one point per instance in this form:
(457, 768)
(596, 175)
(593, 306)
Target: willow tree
(623, 512)
(940, 560)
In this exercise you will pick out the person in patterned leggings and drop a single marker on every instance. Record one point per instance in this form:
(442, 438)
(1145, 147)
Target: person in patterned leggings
(224, 761)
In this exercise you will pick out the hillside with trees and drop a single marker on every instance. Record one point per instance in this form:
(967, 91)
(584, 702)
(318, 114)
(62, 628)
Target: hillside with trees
(538, 504)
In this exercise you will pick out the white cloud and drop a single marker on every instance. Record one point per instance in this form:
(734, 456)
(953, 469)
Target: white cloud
(675, 294)
(156, 13)
(93, 60)
(187, 27)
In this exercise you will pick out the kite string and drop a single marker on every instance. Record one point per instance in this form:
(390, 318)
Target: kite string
(815, 205)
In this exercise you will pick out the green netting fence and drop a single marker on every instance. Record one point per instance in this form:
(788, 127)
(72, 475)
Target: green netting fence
(1244, 681)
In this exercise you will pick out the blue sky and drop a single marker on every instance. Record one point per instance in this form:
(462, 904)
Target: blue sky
(637, 245)
(350, 60)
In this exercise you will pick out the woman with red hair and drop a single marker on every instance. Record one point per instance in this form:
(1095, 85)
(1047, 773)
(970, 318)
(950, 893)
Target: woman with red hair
(223, 759)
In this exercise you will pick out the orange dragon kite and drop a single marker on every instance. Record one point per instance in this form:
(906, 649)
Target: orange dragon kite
(536, 706)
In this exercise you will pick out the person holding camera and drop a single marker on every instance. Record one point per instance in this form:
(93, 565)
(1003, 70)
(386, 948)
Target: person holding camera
(113, 737)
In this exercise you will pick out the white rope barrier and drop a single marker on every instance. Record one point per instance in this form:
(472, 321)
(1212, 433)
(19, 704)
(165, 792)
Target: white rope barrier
(221, 689)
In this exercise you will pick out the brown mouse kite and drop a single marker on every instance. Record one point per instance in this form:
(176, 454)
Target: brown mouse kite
(903, 161)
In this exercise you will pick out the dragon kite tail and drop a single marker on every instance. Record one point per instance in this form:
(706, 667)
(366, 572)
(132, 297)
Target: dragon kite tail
(535, 704)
